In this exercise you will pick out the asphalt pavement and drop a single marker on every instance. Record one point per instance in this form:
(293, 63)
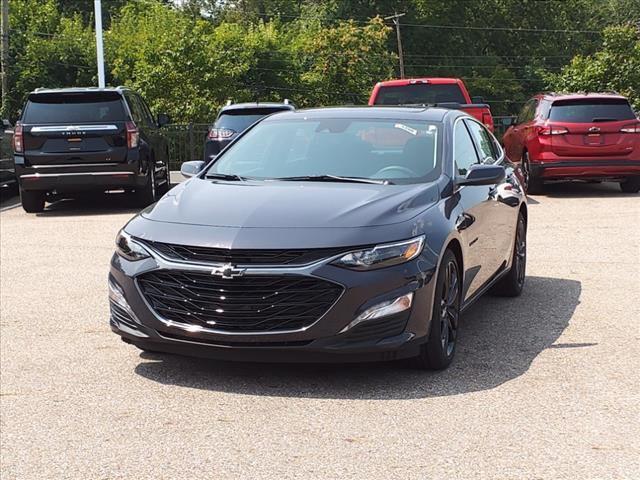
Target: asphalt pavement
(545, 386)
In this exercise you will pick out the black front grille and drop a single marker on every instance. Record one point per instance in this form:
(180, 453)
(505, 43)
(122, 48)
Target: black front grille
(242, 256)
(257, 303)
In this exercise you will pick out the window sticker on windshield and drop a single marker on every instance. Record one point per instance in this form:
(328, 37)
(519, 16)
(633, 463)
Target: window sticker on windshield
(412, 131)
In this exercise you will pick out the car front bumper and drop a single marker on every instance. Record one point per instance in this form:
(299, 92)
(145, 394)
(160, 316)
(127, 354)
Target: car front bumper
(396, 336)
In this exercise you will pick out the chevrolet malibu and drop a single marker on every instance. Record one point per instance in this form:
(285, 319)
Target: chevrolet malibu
(334, 234)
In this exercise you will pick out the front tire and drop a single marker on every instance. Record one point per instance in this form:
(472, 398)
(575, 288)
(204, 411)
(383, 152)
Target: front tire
(631, 185)
(32, 200)
(438, 352)
(512, 283)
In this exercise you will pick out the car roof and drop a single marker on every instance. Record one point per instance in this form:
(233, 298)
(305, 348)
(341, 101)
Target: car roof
(554, 96)
(254, 105)
(78, 90)
(411, 81)
(374, 112)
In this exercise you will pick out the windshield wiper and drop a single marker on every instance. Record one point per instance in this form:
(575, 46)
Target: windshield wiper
(225, 176)
(333, 178)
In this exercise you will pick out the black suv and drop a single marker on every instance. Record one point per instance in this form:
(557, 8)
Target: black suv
(74, 140)
(233, 119)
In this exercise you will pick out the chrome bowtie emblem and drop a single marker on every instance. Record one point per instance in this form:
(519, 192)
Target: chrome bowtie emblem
(228, 271)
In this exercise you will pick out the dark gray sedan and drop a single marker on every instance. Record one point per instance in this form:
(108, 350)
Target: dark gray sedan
(335, 234)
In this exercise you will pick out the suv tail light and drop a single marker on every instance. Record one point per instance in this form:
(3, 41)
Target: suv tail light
(133, 135)
(18, 139)
(487, 120)
(632, 128)
(219, 133)
(552, 131)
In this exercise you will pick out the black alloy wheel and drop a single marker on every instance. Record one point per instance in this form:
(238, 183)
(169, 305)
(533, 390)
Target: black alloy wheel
(512, 283)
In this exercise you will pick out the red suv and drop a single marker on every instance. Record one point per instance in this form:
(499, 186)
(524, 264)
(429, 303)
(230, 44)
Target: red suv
(581, 136)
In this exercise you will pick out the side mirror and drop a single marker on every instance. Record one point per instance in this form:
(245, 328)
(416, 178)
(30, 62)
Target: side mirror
(163, 119)
(483, 175)
(189, 169)
(477, 100)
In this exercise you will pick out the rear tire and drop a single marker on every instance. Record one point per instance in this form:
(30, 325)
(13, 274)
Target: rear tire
(632, 185)
(32, 200)
(439, 350)
(512, 283)
(534, 183)
(146, 194)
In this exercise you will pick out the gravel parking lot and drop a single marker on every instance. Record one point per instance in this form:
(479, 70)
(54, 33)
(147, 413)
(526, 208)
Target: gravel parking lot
(543, 386)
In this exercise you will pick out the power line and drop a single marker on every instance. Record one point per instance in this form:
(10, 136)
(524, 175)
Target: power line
(434, 26)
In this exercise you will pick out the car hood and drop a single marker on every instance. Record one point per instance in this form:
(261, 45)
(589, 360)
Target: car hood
(291, 204)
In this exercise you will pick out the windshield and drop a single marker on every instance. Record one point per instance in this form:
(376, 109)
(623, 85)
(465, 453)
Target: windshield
(73, 108)
(240, 120)
(591, 110)
(420, 93)
(401, 151)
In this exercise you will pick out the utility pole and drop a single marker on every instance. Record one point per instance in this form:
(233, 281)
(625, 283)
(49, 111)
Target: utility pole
(396, 20)
(4, 28)
(97, 7)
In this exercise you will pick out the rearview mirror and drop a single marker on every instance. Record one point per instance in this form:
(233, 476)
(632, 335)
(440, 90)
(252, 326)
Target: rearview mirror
(189, 169)
(483, 175)
(163, 119)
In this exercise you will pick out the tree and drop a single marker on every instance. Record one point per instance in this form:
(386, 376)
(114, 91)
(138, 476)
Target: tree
(615, 67)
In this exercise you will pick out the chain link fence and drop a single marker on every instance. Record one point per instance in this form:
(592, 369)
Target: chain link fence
(186, 142)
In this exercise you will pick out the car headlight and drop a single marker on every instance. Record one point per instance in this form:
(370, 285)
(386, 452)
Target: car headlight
(384, 255)
(128, 248)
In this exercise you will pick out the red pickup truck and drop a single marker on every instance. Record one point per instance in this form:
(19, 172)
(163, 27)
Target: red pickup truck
(443, 92)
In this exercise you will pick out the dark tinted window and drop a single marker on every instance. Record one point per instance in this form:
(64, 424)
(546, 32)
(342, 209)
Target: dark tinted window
(591, 110)
(239, 120)
(419, 93)
(528, 112)
(134, 106)
(464, 153)
(73, 108)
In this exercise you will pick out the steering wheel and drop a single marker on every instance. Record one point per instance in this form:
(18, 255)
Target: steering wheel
(407, 172)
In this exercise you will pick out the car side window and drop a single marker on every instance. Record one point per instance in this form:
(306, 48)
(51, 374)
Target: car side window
(528, 111)
(464, 152)
(483, 141)
(148, 117)
(134, 107)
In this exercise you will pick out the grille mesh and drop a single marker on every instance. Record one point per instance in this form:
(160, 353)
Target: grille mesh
(256, 303)
(242, 256)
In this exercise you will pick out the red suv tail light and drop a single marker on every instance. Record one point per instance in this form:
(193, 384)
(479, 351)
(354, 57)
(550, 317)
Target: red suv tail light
(220, 133)
(133, 135)
(552, 131)
(632, 128)
(18, 139)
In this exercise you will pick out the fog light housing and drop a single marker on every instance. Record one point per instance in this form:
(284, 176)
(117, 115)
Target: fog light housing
(383, 309)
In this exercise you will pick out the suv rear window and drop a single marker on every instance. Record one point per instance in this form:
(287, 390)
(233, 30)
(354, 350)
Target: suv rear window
(74, 108)
(419, 93)
(591, 110)
(241, 119)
